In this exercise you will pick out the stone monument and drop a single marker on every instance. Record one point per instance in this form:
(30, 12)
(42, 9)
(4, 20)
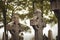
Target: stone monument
(50, 35)
(15, 28)
(38, 24)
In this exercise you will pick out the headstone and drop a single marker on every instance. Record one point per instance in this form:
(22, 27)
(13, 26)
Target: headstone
(50, 35)
(45, 37)
(14, 28)
(3, 38)
(38, 24)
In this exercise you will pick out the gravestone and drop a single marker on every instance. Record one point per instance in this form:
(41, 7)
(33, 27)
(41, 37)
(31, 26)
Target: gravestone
(38, 24)
(45, 37)
(3, 38)
(50, 35)
(14, 28)
(14, 32)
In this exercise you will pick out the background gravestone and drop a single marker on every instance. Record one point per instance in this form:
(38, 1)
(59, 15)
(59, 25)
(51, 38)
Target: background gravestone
(50, 35)
(45, 37)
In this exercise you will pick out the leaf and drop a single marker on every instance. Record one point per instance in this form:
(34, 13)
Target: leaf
(10, 7)
(10, 1)
(25, 28)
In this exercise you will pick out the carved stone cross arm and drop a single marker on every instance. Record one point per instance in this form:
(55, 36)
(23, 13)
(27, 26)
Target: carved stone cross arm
(43, 23)
(33, 21)
(8, 27)
(21, 28)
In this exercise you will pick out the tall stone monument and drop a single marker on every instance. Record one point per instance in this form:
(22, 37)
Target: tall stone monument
(14, 28)
(38, 24)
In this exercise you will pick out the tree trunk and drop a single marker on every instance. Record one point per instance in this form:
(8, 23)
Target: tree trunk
(57, 13)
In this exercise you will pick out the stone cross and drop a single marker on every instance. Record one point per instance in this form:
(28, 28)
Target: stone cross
(15, 27)
(38, 24)
(14, 30)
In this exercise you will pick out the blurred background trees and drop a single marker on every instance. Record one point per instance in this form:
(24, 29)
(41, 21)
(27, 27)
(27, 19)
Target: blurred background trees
(16, 6)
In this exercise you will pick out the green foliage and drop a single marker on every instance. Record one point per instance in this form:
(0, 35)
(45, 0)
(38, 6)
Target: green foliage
(10, 7)
(18, 5)
(2, 5)
(10, 1)
(22, 16)
(25, 28)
